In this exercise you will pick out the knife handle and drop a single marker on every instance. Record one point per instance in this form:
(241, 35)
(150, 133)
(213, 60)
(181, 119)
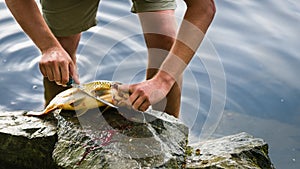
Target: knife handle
(70, 82)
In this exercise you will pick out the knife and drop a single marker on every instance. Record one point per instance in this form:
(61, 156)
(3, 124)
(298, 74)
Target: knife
(72, 83)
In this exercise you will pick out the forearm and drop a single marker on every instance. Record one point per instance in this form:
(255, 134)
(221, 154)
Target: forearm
(196, 21)
(28, 16)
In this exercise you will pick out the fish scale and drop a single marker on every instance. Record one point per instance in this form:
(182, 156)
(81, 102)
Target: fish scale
(92, 86)
(81, 98)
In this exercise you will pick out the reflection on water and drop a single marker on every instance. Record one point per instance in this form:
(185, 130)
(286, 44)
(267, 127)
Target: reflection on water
(257, 42)
(21, 87)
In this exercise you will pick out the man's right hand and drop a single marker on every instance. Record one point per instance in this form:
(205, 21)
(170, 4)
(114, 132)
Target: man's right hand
(57, 65)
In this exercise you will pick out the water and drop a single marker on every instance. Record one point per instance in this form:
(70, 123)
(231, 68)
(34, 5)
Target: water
(252, 47)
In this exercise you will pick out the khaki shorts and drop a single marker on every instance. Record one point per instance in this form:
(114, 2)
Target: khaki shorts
(69, 17)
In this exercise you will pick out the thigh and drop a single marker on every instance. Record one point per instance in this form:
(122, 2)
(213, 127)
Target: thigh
(69, 17)
(152, 5)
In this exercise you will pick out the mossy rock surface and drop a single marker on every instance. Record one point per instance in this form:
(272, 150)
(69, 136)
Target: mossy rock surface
(240, 151)
(26, 142)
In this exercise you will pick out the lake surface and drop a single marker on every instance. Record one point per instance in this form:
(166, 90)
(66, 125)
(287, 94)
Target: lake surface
(244, 77)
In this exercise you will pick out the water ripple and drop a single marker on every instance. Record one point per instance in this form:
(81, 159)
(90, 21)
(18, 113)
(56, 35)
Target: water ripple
(257, 43)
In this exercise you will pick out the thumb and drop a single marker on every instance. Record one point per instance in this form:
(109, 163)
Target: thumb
(124, 88)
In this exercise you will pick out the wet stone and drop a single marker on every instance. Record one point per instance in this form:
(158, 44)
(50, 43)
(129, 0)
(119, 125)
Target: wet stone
(119, 140)
(26, 142)
(110, 140)
(235, 151)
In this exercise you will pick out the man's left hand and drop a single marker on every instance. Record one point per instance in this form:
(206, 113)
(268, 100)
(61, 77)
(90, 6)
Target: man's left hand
(146, 93)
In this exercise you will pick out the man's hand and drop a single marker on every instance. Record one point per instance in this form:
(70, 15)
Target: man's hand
(147, 93)
(57, 65)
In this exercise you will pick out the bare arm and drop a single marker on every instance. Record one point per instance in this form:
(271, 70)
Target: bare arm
(197, 19)
(55, 63)
(30, 19)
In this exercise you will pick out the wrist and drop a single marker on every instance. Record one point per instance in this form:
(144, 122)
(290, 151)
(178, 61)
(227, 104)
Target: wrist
(165, 78)
(48, 42)
(49, 48)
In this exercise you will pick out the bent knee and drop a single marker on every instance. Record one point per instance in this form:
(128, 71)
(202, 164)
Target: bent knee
(204, 8)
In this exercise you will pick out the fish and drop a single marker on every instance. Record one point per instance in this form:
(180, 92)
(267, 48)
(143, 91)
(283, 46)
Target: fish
(80, 99)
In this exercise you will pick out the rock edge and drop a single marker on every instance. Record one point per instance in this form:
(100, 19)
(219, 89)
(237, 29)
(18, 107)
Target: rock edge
(30, 142)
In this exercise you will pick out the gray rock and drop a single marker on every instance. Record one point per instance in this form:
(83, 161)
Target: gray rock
(110, 140)
(26, 142)
(240, 151)
(122, 141)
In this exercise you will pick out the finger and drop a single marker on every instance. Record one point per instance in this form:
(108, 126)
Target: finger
(64, 70)
(133, 98)
(49, 74)
(144, 106)
(139, 102)
(57, 74)
(43, 70)
(73, 72)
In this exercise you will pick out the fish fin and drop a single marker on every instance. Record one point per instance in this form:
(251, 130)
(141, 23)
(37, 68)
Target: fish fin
(41, 113)
(34, 113)
(49, 108)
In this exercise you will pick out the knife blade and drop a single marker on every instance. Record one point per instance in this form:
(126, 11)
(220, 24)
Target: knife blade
(72, 83)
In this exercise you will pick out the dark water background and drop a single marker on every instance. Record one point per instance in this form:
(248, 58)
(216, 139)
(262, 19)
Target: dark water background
(252, 47)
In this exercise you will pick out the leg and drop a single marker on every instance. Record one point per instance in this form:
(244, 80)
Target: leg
(70, 44)
(159, 32)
